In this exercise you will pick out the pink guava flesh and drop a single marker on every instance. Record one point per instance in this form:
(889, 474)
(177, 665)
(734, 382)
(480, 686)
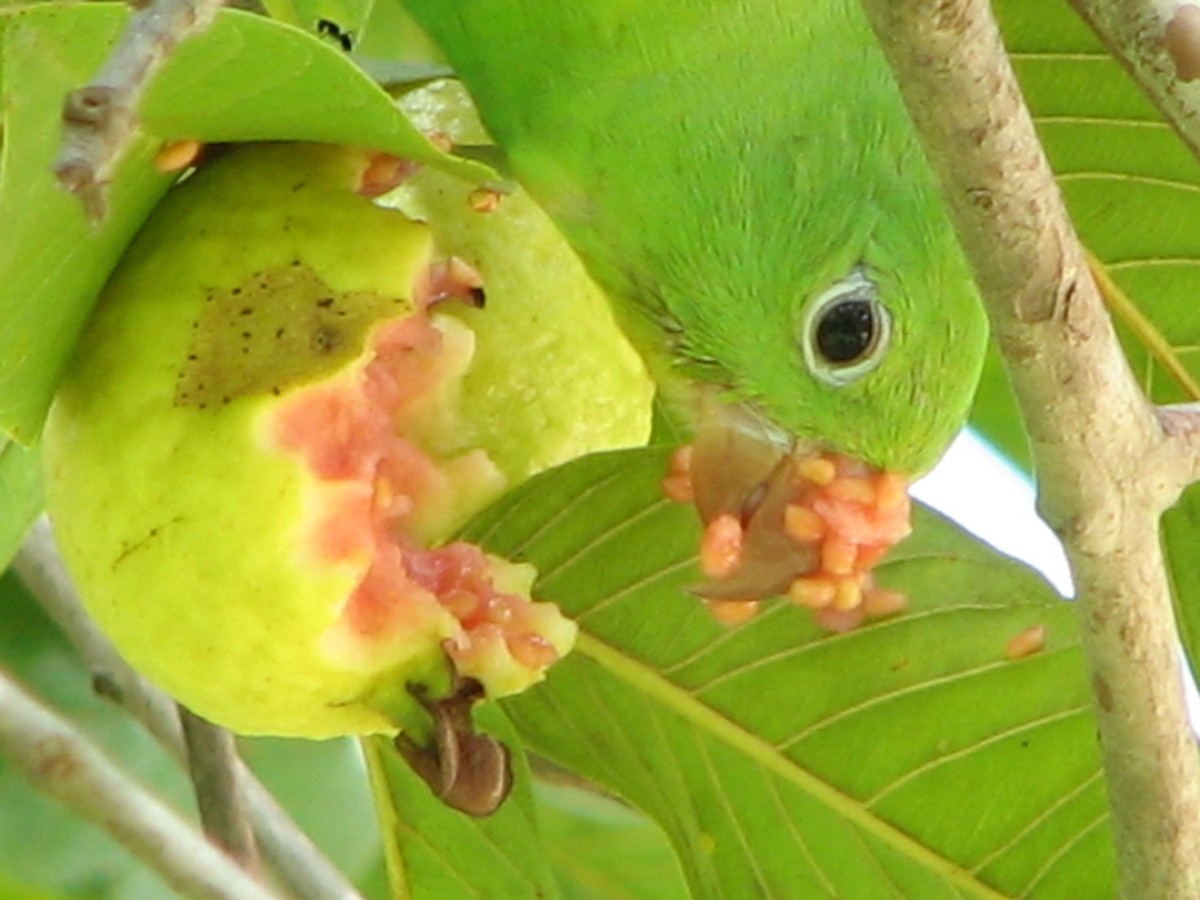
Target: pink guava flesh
(810, 525)
(350, 432)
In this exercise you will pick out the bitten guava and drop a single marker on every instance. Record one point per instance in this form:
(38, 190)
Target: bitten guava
(277, 416)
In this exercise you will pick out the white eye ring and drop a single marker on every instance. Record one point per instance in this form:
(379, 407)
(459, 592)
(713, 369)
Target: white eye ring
(842, 350)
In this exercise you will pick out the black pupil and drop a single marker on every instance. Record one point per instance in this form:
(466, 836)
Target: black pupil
(846, 331)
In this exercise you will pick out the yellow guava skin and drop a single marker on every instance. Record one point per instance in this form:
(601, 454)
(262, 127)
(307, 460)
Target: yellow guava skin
(567, 319)
(189, 532)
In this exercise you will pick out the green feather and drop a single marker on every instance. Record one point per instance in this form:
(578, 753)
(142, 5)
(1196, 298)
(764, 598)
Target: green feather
(719, 165)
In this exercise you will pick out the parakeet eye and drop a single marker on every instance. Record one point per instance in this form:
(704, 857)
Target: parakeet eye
(846, 331)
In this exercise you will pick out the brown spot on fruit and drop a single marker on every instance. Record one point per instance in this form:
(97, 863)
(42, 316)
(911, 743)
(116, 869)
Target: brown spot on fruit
(303, 330)
(325, 340)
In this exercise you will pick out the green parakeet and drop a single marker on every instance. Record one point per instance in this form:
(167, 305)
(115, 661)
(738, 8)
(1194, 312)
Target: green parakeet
(743, 181)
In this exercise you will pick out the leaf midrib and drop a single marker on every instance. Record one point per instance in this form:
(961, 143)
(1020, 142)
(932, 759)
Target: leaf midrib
(649, 682)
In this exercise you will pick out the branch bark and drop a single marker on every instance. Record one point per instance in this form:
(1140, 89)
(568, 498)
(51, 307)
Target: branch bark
(295, 860)
(1106, 469)
(212, 762)
(100, 119)
(64, 764)
(1159, 45)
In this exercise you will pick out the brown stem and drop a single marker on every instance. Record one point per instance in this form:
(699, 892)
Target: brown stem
(1106, 470)
(212, 763)
(63, 763)
(100, 119)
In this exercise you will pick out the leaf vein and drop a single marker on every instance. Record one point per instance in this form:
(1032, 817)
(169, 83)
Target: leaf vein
(734, 819)
(907, 690)
(1020, 835)
(805, 850)
(929, 766)
(589, 546)
(650, 683)
(1125, 177)
(1062, 851)
(824, 640)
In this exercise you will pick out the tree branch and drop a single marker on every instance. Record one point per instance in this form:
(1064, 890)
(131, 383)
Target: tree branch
(100, 119)
(63, 763)
(1159, 44)
(292, 856)
(1106, 470)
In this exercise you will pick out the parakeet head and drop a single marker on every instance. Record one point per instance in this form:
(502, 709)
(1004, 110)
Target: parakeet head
(743, 181)
(867, 340)
(822, 289)
(804, 301)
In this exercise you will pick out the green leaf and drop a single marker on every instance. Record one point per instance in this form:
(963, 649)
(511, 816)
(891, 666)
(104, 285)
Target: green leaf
(52, 262)
(253, 79)
(11, 890)
(439, 853)
(349, 16)
(907, 758)
(20, 496)
(601, 849)
(246, 78)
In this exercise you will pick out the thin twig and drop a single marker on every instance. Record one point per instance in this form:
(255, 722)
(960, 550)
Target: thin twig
(1106, 470)
(60, 761)
(100, 120)
(212, 762)
(300, 866)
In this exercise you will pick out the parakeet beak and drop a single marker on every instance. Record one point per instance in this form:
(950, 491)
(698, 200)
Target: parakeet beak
(785, 517)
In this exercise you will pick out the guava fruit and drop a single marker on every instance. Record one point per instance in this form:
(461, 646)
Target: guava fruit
(278, 415)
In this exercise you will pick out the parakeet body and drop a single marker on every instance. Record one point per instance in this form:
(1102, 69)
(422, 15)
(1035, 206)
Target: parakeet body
(743, 180)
